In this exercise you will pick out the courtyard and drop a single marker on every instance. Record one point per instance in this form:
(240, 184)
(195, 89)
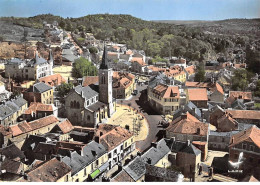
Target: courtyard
(130, 118)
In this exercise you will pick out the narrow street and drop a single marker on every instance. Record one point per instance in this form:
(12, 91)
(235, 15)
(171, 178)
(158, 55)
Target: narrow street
(140, 103)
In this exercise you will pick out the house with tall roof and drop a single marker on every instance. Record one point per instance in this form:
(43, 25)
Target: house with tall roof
(17, 133)
(29, 69)
(214, 90)
(11, 110)
(138, 64)
(39, 92)
(187, 127)
(198, 96)
(52, 170)
(185, 156)
(87, 164)
(163, 95)
(248, 143)
(38, 110)
(90, 105)
(157, 155)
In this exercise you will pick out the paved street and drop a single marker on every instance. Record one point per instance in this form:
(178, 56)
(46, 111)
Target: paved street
(139, 102)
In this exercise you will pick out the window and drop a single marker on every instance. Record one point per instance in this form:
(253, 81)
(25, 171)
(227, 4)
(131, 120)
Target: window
(66, 178)
(252, 148)
(125, 145)
(223, 139)
(109, 155)
(115, 151)
(88, 117)
(85, 171)
(244, 146)
(103, 80)
(121, 147)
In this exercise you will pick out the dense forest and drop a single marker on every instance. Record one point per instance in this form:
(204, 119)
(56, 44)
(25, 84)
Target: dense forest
(155, 38)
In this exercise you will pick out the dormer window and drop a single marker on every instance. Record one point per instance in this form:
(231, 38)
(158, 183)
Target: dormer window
(252, 148)
(244, 146)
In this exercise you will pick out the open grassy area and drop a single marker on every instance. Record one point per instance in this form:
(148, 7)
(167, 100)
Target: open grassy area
(136, 122)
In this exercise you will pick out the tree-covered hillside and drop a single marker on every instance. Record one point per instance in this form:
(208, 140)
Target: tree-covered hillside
(154, 38)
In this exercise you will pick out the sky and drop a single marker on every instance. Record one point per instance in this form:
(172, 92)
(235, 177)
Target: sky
(144, 9)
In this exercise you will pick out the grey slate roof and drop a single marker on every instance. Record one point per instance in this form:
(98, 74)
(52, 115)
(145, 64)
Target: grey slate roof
(156, 154)
(41, 87)
(136, 168)
(10, 107)
(68, 55)
(160, 78)
(164, 174)
(91, 152)
(20, 101)
(179, 146)
(188, 108)
(87, 92)
(5, 111)
(96, 106)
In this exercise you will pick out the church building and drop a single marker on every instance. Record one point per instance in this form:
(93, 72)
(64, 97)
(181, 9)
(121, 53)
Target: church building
(90, 105)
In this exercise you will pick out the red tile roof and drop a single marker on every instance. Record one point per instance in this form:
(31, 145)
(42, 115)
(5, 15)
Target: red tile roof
(198, 94)
(88, 80)
(24, 127)
(138, 60)
(53, 80)
(167, 91)
(49, 171)
(188, 126)
(245, 114)
(241, 95)
(65, 126)
(112, 136)
(250, 135)
(190, 69)
(36, 106)
(122, 80)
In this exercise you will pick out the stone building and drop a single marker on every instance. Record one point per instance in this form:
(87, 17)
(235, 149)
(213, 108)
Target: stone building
(29, 69)
(163, 95)
(11, 110)
(88, 106)
(39, 92)
(248, 143)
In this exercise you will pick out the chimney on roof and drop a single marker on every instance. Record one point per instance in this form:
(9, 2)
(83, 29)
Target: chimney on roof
(184, 116)
(172, 139)
(188, 142)
(25, 176)
(149, 161)
(96, 139)
(154, 144)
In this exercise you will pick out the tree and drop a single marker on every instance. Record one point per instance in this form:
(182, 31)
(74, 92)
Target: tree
(62, 24)
(241, 79)
(83, 67)
(257, 90)
(64, 89)
(200, 75)
(93, 50)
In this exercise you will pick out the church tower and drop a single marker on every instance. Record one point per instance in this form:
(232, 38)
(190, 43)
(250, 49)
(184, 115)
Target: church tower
(105, 83)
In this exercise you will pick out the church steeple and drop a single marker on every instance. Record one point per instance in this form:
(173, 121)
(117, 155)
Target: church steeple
(104, 63)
